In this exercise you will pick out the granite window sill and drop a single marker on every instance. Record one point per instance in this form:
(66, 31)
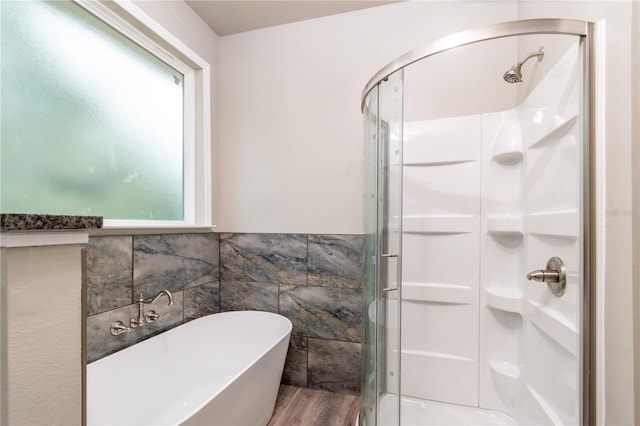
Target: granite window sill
(47, 222)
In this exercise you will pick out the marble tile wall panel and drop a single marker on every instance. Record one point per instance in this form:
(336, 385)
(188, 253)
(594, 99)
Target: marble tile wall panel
(174, 262)
(201, 300)
(313, 280)
(336, 260)
(325, 312)
(109, 273)
(334, 366)
(295, 367)
(100, 341)
(269, 258)
(242, 296)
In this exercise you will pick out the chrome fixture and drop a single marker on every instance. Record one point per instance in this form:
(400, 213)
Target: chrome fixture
(152, 315)
(514, 74)
(119, 327)
(555, 276)
(389, 256)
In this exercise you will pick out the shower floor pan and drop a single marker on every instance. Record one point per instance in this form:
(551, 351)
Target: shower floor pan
(430, 413)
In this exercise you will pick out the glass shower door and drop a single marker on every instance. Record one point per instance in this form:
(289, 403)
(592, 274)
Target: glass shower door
(369, 384)
(383, 243)
(479, 230)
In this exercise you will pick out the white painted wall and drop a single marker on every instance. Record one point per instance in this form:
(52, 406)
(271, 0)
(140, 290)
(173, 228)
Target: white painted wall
(290, 122)
(42, 362)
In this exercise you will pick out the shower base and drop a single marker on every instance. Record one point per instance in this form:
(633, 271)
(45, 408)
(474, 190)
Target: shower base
(421, 412)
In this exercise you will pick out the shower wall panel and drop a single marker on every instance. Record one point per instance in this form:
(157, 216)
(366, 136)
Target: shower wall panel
(502, 262)
(486, 199)
(530, 347)
(441, 220)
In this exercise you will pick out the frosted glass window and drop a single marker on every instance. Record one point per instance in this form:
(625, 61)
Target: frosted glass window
(92, 123)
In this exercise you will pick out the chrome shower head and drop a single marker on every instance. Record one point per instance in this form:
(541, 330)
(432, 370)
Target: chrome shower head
(514, 74)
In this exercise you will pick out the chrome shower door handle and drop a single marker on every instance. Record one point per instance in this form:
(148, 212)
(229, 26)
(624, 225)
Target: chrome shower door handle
(555, 276)
(388, 289)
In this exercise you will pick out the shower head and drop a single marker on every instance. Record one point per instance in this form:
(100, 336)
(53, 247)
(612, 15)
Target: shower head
(514, 74)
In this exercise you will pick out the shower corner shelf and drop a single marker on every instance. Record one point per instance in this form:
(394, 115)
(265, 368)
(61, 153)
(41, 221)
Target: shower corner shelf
(551, 322)
(504, 299)
(547, 407)
(562, 224)
(560, 127)
(509, 225)
(507, 379)
(505, 369)
(508, 158)
(440, 224)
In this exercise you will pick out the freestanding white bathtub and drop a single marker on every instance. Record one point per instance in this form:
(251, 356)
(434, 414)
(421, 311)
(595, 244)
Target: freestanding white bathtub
(222, 369)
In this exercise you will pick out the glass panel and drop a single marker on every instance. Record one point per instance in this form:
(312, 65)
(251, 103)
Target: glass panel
(390, 227)
(369, 389)
(383, 150)
(91, 122)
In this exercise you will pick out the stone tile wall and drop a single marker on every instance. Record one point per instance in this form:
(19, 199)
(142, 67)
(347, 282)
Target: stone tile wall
(314, 280)
(120, 268)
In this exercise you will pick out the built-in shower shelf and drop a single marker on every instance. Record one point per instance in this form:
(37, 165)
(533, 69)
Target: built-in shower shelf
(504, 299)
(559, 223)
(435, 162)
(554, 325)
(505, 369)
(508, 157)
(506, 378)
(557, 128)
(505, 225)
(438, 293)
(444, 224)
(546, 406)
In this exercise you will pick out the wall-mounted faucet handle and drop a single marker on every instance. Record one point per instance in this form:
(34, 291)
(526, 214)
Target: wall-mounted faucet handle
(152, 316)
(544, 276)
(555, 275)
(119, 327)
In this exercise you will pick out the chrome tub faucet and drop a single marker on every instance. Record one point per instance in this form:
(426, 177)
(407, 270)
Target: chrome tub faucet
(151, 315)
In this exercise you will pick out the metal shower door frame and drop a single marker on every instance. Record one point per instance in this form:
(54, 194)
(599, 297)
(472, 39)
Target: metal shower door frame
(584, 30)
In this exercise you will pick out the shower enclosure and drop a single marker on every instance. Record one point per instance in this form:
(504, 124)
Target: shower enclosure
(478, 222)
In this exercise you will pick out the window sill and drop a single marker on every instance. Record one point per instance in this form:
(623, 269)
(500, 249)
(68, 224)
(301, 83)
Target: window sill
(47, 222)
(151, 230)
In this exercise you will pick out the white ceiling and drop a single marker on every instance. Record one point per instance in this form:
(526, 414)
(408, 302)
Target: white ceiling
(231, 17)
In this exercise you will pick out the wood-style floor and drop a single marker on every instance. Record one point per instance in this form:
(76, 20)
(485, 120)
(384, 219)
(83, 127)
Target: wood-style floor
(308, 407)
